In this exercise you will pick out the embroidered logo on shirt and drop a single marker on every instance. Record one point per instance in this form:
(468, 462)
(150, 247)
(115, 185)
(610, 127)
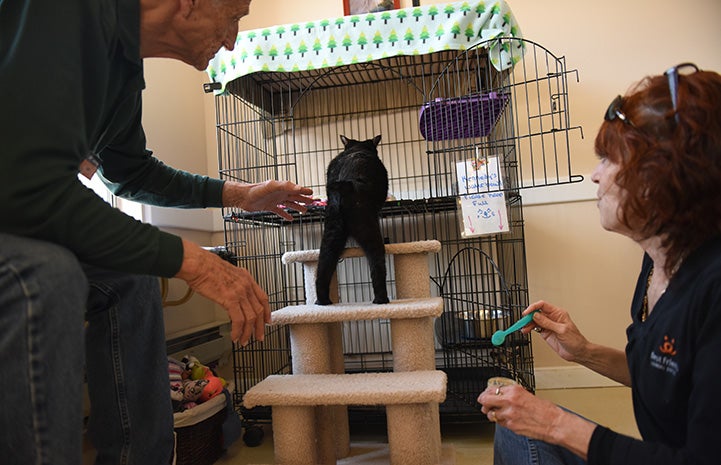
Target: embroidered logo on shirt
(667, 346)
(664, 360)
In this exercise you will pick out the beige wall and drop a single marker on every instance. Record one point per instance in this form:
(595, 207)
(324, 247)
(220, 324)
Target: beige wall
(175, 125)
(572, 262)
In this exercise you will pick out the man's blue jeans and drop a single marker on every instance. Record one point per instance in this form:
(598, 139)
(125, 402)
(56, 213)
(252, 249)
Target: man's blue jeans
(46, 298)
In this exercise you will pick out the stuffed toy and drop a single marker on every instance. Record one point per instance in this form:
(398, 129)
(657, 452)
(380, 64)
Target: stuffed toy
(186, 391)
(175, 372)
(213, 387)
(198, 371)
(192, 392)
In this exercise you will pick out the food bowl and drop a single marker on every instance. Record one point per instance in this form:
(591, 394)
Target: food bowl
(482, 323)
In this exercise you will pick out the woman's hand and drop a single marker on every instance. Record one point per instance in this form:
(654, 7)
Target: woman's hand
(520, 411)
(269, 196)
(555, 326)
(527, 415)
(561, 334)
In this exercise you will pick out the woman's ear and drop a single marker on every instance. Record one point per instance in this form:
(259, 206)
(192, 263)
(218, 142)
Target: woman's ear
(187, 7)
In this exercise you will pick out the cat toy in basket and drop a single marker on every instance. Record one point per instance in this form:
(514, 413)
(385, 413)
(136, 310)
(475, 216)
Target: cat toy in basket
(464, 117)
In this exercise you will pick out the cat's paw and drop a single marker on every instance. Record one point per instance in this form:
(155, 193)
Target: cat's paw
(381, 300)
(323, 302)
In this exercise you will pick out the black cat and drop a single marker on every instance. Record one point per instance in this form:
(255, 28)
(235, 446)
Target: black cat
(357, 187)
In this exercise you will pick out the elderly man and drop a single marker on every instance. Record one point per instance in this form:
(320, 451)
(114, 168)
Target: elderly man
(71, 78)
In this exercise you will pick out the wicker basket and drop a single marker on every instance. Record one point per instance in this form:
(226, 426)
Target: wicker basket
(469, 116)
(201, 441)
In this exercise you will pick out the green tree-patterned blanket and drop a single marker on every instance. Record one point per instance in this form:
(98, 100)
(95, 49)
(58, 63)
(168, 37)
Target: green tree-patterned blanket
(369, 36)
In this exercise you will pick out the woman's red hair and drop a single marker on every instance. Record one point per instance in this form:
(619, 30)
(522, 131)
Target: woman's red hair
(671, 171)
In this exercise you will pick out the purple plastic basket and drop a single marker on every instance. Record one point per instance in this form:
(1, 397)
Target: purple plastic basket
(461, 117)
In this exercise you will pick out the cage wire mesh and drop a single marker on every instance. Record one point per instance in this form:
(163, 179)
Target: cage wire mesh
(435, 112)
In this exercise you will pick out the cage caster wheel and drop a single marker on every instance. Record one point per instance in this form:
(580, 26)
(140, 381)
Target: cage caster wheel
(253, 436)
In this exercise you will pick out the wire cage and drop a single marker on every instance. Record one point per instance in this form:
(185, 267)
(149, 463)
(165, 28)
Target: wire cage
(438, 115)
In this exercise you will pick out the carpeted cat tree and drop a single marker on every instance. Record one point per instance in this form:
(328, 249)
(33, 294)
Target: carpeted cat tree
(309, 407)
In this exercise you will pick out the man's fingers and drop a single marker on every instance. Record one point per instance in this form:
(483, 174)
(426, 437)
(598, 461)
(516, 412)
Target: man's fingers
(263, 304)
(282, 213)
(296, 206)
(237, 322)
(259, 329)
(250, 319)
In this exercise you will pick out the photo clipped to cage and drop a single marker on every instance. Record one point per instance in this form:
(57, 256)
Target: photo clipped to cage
(481, 198)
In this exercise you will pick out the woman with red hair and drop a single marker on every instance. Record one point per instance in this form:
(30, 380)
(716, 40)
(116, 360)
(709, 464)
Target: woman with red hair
(659, 183)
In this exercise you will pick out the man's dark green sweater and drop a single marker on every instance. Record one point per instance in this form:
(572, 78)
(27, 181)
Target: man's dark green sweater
(71, 79)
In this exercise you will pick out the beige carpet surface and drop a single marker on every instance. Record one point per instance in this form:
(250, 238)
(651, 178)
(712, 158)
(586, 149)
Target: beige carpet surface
(354, 311)
(411, 387)
(372, 453)
(378, 454)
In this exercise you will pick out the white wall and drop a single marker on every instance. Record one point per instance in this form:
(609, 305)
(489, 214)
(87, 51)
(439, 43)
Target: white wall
(572, 261)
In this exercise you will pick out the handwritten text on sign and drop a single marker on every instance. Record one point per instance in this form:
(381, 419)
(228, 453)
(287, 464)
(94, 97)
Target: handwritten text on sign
(481, 197)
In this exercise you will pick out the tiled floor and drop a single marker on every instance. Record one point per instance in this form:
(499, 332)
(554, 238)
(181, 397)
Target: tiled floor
(473, 443)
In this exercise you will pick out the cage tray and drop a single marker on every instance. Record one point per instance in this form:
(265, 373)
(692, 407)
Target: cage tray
(463, 117)
(317, 213)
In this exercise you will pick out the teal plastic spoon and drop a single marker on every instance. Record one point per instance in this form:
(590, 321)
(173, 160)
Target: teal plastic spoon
(500, 335)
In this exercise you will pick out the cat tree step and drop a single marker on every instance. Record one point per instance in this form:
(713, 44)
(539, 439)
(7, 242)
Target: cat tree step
(396, 309)
(317, 346)
(411, 400)
(410, 266)
(315, 332)
(401, 248)
(378, 388)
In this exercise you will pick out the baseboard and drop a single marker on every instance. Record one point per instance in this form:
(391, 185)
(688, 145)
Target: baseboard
(570, 377)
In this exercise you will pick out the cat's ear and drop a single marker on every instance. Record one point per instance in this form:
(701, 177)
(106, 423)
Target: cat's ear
(377, 140)
(344, 139)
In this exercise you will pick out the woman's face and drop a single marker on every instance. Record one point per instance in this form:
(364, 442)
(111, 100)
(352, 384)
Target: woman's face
(609, 195)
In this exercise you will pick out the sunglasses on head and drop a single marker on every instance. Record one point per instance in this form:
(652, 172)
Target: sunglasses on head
(614, 109)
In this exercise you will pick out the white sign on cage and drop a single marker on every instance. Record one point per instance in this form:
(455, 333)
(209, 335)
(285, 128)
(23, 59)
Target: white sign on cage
(480, 197)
